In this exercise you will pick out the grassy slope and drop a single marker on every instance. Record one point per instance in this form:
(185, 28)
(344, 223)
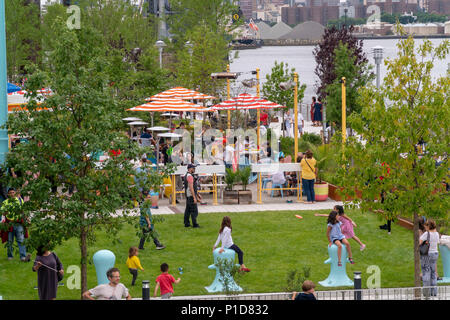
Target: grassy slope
(274, 243)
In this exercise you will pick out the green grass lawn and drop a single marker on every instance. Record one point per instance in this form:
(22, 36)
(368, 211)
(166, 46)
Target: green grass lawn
(274, 243)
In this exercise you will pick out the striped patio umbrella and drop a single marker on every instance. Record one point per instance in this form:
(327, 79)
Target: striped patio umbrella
(168, 105)
(245, 101)
(180, 93)
(18, 101)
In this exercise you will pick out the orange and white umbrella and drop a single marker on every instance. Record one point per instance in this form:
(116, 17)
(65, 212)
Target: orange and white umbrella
(168, 105)
(180, 93)
(246, 101)
(17, 100)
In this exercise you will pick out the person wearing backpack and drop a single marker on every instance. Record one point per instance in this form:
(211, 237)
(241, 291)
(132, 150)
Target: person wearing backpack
(192, 197)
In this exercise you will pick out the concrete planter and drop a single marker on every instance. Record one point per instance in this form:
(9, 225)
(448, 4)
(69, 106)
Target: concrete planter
(230, 197)
(245, 196)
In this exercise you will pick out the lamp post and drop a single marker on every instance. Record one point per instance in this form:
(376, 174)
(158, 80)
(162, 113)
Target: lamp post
(287, 86)
(3, 90)
(228, 98)
(378, 56)
(160, 45)
(190, 47)
(226, 75)
(250, 84)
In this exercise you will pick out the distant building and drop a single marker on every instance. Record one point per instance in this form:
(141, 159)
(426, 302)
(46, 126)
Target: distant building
(439, 6)
(447, 27)
(248, 7)
(322, 11)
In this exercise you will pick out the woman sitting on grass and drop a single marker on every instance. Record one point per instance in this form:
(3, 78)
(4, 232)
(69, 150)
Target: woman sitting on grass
(334, 235)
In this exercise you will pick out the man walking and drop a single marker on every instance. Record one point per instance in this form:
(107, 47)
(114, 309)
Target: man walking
(12, 209)
(114, 290)
(192, 197)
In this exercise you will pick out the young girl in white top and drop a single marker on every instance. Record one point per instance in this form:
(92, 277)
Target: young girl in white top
(227, 242)
(428, 261)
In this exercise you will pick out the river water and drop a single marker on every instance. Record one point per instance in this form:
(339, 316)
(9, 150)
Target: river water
(302, 59)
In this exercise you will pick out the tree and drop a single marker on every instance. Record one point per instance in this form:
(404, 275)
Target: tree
(357, 76)
(271, 88)
(410, 109)
(79, 120)
(129, 36)
(209, 54)
(324, 54)
(22, 36)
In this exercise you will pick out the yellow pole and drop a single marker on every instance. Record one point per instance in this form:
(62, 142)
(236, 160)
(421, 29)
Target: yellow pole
(228, 98)
(344, 108)
(296, 117)
(259, 200)
(174, 191)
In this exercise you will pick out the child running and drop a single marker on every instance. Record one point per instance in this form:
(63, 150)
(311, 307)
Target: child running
(133, 263)
(347, 225)
(227, 242)
(334, 235)
(164, 281)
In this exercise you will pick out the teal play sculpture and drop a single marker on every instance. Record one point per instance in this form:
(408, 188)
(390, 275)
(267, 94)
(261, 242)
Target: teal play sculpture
(445, 256)
(103, 261)
(223, 277)
(338, 275)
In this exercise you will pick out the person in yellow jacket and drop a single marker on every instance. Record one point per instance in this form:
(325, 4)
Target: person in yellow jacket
(133, 263)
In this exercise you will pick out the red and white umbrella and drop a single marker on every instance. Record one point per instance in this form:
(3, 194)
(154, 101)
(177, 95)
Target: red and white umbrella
(180, 93)
(245, 101)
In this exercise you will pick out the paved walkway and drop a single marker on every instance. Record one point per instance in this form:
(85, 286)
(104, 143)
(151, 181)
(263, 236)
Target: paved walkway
(294, 206)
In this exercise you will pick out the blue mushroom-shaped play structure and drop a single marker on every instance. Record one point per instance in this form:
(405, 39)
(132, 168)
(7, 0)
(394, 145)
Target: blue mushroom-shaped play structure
(338, 275)
(445, 256)
(223, 278)
(103, 261)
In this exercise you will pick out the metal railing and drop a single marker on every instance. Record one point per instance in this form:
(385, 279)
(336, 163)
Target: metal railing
(412, 293)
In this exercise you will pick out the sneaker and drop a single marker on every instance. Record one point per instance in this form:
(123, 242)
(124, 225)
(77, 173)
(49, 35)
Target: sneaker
(362, 247)
(27, 258)
(245, 269)
(160, 247)
(351, 261)
(196, 226)
(9, 258)
(187, 225)
(339, 264)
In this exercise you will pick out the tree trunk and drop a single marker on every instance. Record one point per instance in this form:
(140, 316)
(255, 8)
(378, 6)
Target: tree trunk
(83, 249)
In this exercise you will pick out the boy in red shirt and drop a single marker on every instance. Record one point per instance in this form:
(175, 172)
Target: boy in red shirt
(164, 281)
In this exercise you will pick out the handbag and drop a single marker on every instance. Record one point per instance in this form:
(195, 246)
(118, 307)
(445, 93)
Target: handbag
(425, 246)
(58, 273)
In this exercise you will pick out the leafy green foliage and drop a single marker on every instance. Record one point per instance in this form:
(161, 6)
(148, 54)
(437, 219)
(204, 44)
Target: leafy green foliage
(243, 175)
(356, 75)
(22, 36)
(312, 138)
(295, 279)
(230, 178)
(271, 91)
